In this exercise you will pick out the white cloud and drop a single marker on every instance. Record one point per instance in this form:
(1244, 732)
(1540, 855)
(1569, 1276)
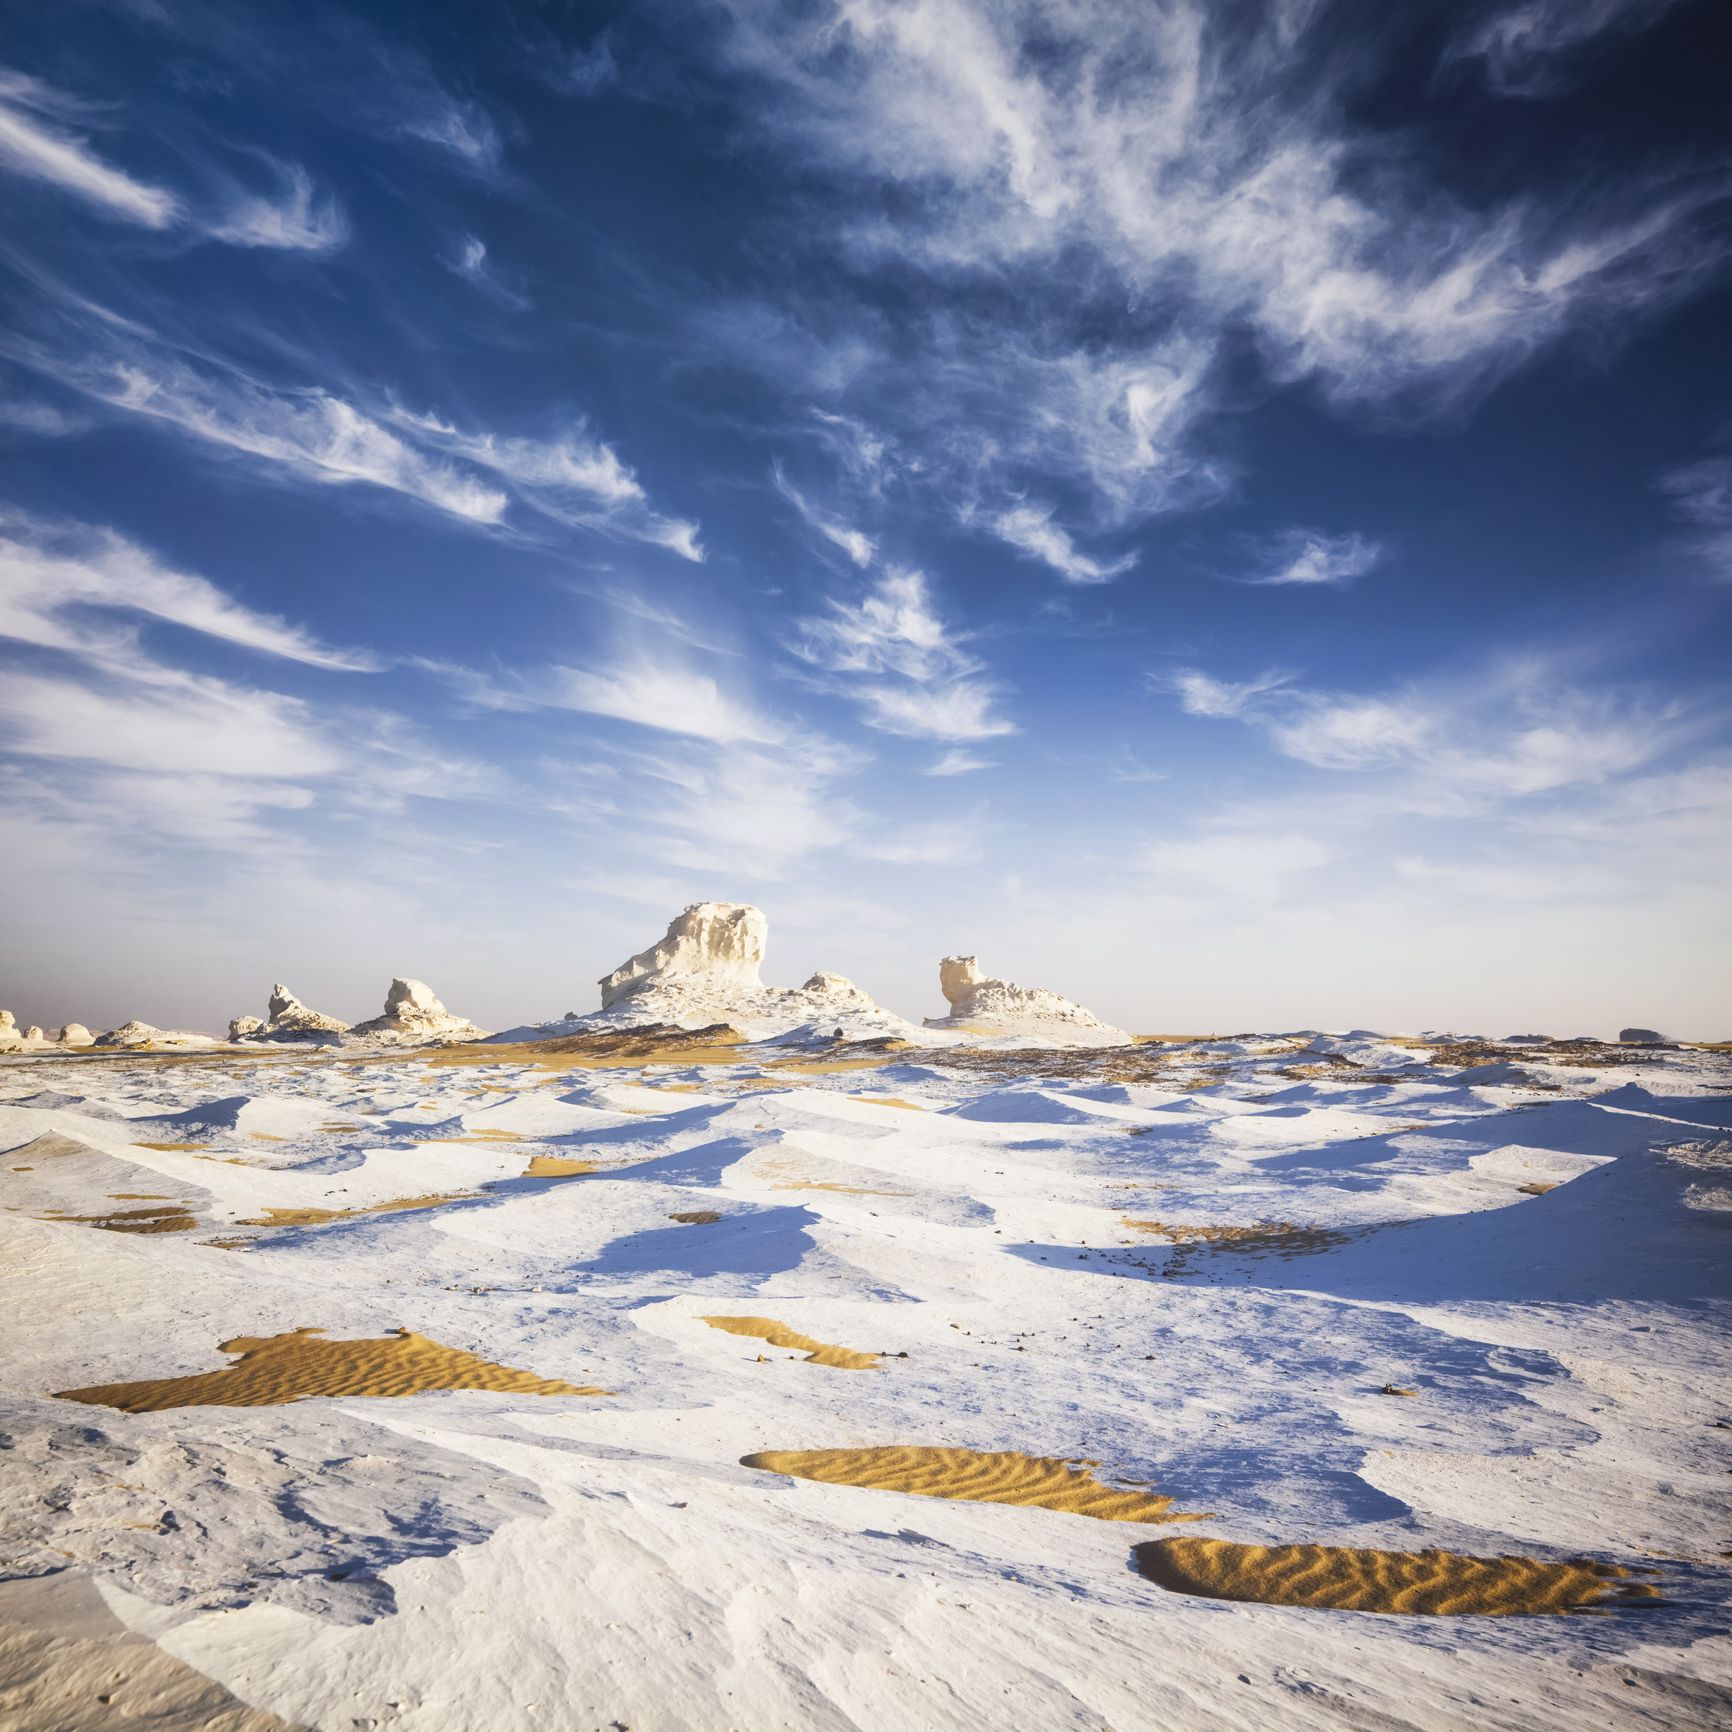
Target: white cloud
(1526, 48)
(663, 695)
(295, 221)
(53, 580)
(1701, 494)
(471, 263)
(858, 546)
(1202, 695)
(957, 762)
(893, 629)
(31, 145)
(312, 433)
(1307, 556)
(1186, 177)
(1031, 529)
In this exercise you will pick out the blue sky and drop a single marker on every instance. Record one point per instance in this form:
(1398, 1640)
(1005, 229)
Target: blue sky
(1224, 510)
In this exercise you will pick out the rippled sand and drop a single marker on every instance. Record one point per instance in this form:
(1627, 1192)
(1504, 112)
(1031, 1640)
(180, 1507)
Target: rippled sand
(274, 1369)
(780, 1335)
(973, 1476)
(1347, 1579)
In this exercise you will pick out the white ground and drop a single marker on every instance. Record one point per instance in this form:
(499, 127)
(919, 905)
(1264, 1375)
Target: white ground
(468, 1561)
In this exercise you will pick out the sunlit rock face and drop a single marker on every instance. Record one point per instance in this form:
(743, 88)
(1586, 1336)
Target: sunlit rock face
(286, 1018)
(988, 1006)
(414, 1015)
(720, 944)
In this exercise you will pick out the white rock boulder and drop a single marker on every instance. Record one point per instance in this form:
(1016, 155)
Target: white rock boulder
(286, 1018)
(720, 944)
(982, 1005)
(414, 1015)
(75, 1034)
(136, 1034)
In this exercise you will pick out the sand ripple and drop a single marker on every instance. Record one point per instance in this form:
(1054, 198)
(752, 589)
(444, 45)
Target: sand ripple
(273, 1369)
(974, 1476)
(780, 1335)
(1347, 1579)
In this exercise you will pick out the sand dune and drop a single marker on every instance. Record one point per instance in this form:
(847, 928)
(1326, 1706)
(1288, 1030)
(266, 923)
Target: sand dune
(780, 1335)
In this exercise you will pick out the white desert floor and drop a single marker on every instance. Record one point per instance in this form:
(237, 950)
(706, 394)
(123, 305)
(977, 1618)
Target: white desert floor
(467, 1559)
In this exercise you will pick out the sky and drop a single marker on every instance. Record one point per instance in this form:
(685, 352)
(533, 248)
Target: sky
(1223, 510)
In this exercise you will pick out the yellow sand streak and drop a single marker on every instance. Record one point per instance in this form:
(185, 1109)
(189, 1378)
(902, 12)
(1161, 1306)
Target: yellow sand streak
(889, 1101)
(696, 1217)
(318, 1217)
(173, 1218)
(1347, 1579)
(557, 1167)
(476, 1137)
(168, 1146)
(973, 1476)
(844, 1190)
(273, 1369)
(780, 1335)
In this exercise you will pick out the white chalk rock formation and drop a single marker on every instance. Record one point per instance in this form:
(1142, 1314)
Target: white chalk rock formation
(10, 1038)
(286, 1018)
(34, 1035)
(999, 1009)
(414, 1016)
(704, 970)
(75, 1034)
(719, 944)
(142, 1034)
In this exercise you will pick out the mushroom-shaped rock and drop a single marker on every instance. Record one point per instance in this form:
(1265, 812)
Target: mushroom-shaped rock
(75, 1034)
(716, 944)
(1001, 1008)
(413, 1013)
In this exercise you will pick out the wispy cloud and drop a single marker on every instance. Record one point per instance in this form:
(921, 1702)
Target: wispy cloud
(1701, 494)
(957, 762)
(471, 263)
(297, 220)
(858, 546)
(935, 689)
(35, 145)
(662, 694)
(61, 587)
(1201, 694)
(1530, 48)
(1308, 556)
(32, 144)
(1031, 530)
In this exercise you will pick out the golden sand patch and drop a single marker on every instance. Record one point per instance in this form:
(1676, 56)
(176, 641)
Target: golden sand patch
(697, 1217)
(1278, 1238)
(476, 1137)
(889, 1101)
(139, 1197)
(167, 1147)
(973, 1476)
(319, 1217)
(558, 1167)
(827, 1185)
(340, 1127)
(780, 1335)
(273, 1369)
(1348, 1579)
(655, 1043)
(1537, 1188)
(171, 1218)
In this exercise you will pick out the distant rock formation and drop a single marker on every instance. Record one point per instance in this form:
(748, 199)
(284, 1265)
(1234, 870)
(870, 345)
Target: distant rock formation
(982, 1005)
(286, 1018)
(75, 1034)
(414, 1015)
(1642, 1037)
(10, 1037)
(719, 943)
(704, 970)
(142, 1034)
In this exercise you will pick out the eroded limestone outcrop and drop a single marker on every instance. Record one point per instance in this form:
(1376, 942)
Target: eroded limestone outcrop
(286, 1018)
(980, 1004)
(138, 1035)
(414, 1016)
(704, 970)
